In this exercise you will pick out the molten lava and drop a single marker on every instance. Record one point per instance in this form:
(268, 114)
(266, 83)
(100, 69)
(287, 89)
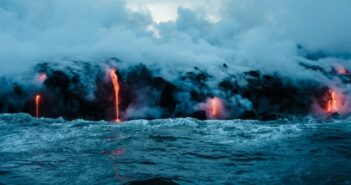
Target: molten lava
(334, 103)
(37, 104)
(114, 79)
(215, 103)
(214, 108)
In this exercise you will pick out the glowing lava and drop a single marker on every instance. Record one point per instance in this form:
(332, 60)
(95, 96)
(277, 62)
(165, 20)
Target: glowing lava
(215, 103)
(214, 108)
(37, 104)
(114, 80)
(333, 103)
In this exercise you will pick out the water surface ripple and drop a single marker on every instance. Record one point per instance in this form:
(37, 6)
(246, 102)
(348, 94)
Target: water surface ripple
(174, 151)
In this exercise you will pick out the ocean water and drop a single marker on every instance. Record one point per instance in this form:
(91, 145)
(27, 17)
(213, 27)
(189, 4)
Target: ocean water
(174, 151)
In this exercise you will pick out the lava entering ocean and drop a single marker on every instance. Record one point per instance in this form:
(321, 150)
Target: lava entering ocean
(336, 102)
(149, 93)
(214, 108)
(114, 79)
(332, 102)
(37, 104)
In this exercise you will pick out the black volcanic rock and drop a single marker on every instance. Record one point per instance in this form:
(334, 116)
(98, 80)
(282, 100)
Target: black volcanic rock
(84, 90)
(200, 114)
(272, 97)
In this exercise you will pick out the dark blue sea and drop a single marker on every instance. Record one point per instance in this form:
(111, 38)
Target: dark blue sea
(174, 151)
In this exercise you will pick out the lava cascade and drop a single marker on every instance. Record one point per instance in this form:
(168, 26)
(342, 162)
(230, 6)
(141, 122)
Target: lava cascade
(336, 103)
(37, 104)
(215, 108)
(114, 79)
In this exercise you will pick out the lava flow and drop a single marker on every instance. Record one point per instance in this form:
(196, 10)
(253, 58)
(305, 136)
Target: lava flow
(114, 80)
(37, 103)
(215, 107)
(332, 103)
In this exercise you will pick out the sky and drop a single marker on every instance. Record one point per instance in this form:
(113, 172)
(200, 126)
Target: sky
(250, 33)
(166, 10)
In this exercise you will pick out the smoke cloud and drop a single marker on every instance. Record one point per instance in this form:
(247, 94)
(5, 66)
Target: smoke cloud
(195, 49)
(254, 33)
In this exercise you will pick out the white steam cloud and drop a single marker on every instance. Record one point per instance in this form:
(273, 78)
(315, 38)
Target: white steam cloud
(251, 33)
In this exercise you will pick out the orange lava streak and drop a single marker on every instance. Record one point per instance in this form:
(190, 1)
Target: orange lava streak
(37, 103)
(215, 107)
(332, 102)
(114, 79)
